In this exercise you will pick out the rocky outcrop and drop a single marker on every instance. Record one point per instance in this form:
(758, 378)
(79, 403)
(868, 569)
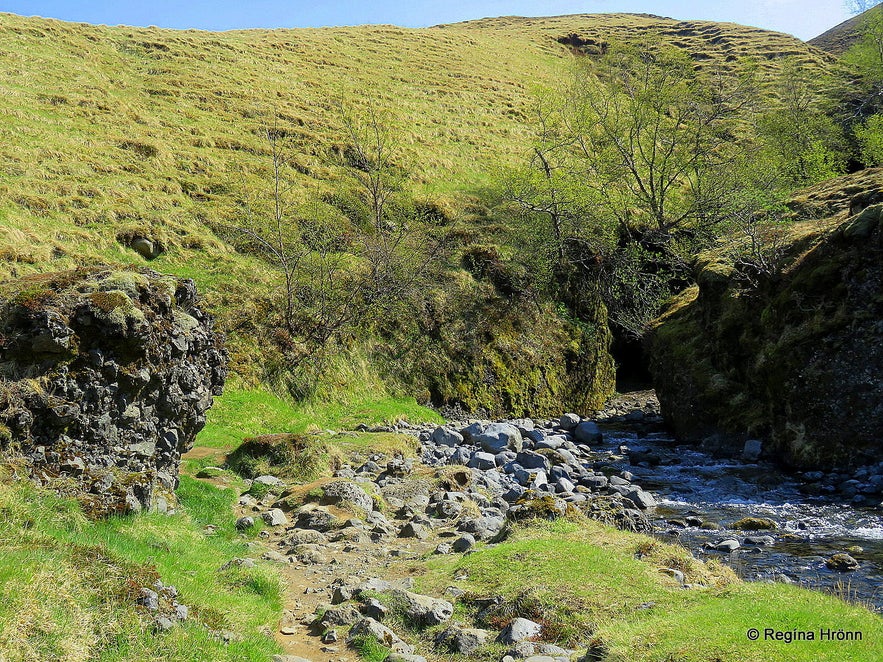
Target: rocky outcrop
(106, 378)
(796, 360)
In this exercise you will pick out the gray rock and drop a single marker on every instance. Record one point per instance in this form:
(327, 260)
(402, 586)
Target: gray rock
(307, 537)
(465, 641)
(564, 485)
(587, 432)
(414, 530)
(519, 629)
(275, 517)
(728, 545)
(464, 543)
(482, 461)
(569, 421)
(444, 436)
(532, 460)
(498, 437)
(401, 657)
(314, 517)
(375, 609)
(460, 456)
(471, 431)
(368, 627)
(641, 499)
(244, 523)
(346, 493)
(269, 481)
(594, 483)
(424, 609)
(342, 615)
(148, 599)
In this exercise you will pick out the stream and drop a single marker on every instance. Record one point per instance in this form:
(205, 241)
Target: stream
(690, 484)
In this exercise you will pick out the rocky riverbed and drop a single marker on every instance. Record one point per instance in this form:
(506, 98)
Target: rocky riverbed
(340, 539)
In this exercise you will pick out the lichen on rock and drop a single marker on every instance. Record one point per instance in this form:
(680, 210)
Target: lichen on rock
(105, 379)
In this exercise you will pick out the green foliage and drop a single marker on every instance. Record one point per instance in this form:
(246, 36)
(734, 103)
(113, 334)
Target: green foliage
(870, 139)
(370, 649)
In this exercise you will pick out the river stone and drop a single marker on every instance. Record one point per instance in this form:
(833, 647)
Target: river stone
(444, 436)
(752, 450)
(641, 498)
(568, 421)
(594, 482)
(519, 629)
(754, 524)
(498, 437)
(482, 461)
(729, 545)
(532, 460)
(842, 563)
(368, 627)
(344, 492)
(588, 432)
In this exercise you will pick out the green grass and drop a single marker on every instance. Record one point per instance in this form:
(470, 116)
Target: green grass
(241, 413)
(69, 583)
(590, 583)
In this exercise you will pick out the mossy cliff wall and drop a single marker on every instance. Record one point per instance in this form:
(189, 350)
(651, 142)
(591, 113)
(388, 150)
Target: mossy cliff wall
(797, 361)
(105, 378)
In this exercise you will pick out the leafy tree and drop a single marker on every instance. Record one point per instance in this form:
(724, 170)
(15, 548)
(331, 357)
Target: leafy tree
(803, 141)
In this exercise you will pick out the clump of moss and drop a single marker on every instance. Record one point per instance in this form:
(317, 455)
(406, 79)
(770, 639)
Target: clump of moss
(294, 456)
(754, 524)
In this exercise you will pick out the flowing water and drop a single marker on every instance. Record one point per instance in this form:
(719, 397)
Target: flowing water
(690, 483)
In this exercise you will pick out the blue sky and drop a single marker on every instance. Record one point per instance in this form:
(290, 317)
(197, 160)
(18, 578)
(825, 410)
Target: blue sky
(803, 18)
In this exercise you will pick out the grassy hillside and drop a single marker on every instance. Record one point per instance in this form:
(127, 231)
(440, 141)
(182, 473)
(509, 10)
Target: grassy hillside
(116, 131)
(112, 133)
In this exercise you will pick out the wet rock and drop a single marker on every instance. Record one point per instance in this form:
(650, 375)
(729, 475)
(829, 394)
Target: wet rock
(728, 545)
(754, 524)
(752, 450)
(842, 563)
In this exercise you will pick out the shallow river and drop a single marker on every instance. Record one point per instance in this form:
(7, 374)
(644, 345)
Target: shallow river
(811, 528)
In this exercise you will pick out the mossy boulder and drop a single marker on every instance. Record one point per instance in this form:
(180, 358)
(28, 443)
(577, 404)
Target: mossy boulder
(105, 378)
(796, 360)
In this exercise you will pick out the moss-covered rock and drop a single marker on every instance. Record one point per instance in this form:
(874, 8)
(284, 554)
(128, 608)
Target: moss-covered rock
(105, 378)
(796, 360)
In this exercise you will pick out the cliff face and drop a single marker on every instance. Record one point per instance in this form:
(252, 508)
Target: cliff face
(797, 361)
(106, 378)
